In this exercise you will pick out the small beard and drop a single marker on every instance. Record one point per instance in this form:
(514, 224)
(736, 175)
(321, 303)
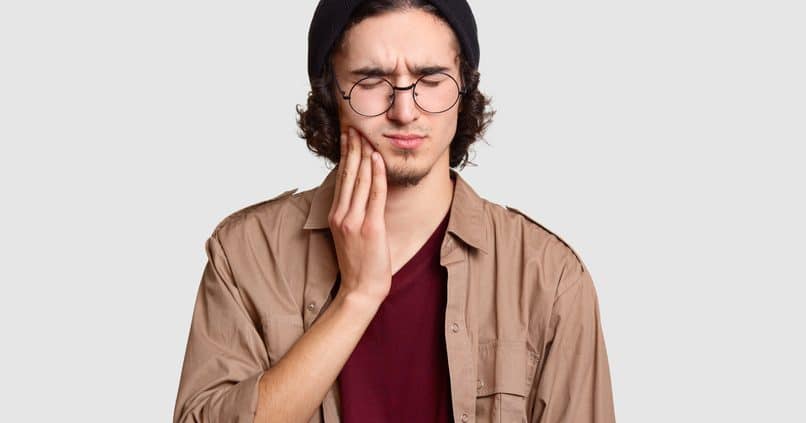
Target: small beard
(405, 176)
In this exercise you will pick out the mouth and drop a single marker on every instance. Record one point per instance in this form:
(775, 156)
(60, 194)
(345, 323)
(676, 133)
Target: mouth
(406, 141)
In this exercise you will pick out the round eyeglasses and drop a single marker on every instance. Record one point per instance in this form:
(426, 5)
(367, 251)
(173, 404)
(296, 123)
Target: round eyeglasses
(373, 96)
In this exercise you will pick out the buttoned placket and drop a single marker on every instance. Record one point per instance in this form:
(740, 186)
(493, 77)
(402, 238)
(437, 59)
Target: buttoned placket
(321, 273)
(458, 340)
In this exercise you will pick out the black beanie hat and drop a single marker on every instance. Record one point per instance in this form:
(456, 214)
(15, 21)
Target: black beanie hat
(331, 16)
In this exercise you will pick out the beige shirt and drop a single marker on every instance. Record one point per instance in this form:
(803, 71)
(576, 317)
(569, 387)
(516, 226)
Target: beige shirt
(522, 327)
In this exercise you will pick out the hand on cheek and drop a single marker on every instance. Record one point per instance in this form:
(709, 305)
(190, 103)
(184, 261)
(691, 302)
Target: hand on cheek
(360, 134)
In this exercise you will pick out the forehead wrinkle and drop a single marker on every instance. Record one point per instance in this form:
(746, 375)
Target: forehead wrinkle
(376, 52)
(412, 67)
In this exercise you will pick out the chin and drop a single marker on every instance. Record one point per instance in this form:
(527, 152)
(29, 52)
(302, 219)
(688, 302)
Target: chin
(403, 174)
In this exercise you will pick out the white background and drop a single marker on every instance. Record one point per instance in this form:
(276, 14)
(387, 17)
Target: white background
(663, 140)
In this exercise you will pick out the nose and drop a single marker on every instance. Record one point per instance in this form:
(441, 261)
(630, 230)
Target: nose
(404, 109)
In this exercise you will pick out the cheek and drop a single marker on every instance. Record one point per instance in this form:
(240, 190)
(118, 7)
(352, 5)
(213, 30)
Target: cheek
(347, 120)
(344, 116)
(448, 127)
(373, 132)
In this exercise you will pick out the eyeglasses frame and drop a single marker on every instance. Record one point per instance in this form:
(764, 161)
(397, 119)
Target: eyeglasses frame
(348, 95)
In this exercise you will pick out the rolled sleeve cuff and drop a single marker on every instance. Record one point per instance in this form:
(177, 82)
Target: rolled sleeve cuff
(239, 404)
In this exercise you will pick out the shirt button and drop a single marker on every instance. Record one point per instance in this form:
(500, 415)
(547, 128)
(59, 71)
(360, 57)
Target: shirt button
(455, 328)
(312, 306)
(479, 384)
(465, 417)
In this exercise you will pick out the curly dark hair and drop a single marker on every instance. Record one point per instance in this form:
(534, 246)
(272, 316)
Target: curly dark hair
(319, 124)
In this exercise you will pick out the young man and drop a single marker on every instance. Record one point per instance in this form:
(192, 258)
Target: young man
(392, 291)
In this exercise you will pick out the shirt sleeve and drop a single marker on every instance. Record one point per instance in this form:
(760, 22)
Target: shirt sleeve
(225, 355)
(574, 383)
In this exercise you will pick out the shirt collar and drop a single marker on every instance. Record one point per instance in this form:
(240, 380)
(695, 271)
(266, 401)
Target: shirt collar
(466, 215)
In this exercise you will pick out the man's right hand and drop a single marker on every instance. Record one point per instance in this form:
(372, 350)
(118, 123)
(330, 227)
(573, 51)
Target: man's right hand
(357, 221)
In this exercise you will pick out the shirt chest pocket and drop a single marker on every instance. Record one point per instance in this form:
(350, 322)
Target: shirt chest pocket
(280, 332)
(505, 373)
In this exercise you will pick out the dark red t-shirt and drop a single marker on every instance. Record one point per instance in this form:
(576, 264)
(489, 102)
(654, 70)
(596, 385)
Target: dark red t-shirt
(398, 372)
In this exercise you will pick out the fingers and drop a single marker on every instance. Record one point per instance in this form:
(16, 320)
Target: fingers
(377, 198)
(361, 183)
(348, 169)
(358, 206)
(339, 170)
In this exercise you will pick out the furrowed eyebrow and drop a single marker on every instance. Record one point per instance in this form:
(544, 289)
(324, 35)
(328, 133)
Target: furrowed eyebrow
(376, 71)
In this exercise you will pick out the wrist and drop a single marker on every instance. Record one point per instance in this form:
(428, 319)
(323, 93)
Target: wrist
(358, 302)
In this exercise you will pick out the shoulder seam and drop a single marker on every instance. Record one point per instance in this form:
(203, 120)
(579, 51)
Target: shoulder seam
(559, 238)
(242, 211)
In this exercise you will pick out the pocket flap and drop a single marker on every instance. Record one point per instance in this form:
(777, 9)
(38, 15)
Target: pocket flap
(503, 368)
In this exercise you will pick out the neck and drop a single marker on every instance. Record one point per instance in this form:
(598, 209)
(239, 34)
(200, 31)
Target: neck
(413, 212)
